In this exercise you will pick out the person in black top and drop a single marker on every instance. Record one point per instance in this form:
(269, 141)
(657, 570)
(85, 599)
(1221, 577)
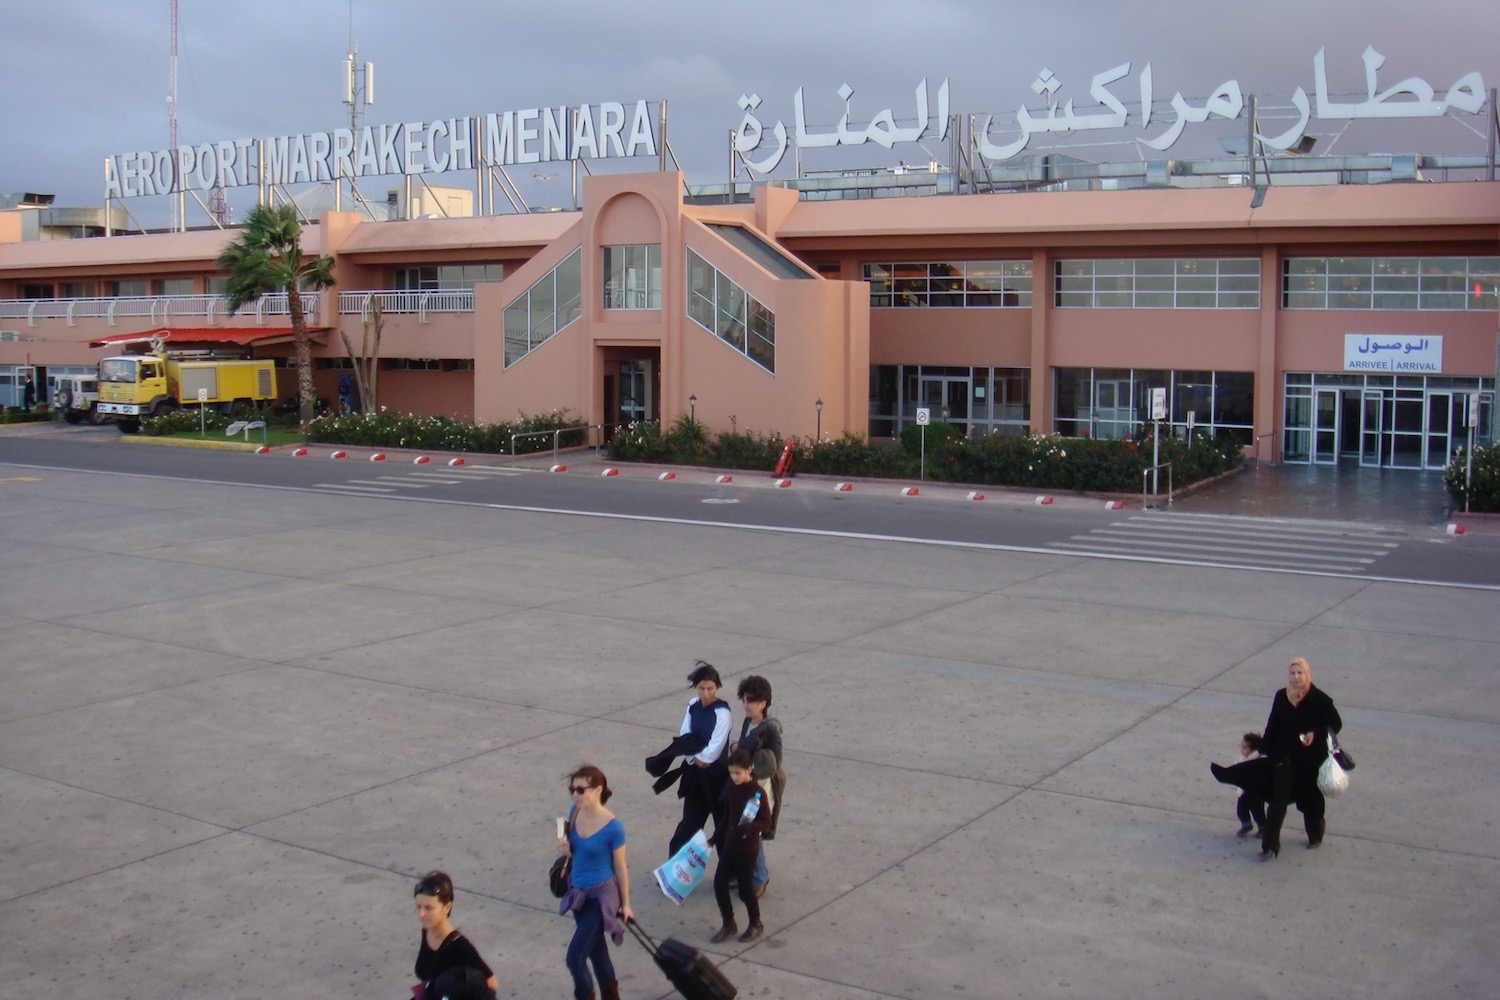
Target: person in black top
(444, 956)
(761, 735)
(1296, 743)
(745, 817)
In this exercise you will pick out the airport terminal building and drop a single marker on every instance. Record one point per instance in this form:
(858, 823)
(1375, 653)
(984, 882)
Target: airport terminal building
(1344, 316)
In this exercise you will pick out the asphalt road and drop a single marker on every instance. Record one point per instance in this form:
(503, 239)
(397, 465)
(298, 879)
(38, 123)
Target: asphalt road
(938, 514)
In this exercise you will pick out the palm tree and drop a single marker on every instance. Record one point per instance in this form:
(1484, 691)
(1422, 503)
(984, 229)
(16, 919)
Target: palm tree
(268, 258)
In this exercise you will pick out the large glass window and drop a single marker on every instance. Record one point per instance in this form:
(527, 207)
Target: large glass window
(970, 284)
(1116, 402)
(726, 310)
(1421, 283)
(1158, 283)
(632, 276)
(546, 307)
(442, 277)
(979, 401)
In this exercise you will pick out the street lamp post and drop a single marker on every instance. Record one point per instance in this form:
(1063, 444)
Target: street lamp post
(693, 408)
(819, 404)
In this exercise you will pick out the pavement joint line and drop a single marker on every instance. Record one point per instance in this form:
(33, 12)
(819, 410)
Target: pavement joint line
(1189, 530)
(936, 542)
(1259, 542)
(1121, 542)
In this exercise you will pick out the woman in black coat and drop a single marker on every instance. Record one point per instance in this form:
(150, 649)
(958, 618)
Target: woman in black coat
(1296, 743)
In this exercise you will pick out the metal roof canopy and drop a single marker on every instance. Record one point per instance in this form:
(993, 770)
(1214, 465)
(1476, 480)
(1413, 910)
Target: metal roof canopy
(240, 337)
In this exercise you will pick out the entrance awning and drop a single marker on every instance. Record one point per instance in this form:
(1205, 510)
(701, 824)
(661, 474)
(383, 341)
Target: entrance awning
(187, 337)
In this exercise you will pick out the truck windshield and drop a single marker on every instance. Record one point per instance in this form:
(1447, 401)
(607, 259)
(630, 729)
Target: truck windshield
(117, 370)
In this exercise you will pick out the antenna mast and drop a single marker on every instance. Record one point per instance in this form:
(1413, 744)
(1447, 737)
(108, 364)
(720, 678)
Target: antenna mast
(179, 220)
(359, 90)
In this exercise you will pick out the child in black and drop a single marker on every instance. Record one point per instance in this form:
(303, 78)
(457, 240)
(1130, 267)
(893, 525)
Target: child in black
(744, 816)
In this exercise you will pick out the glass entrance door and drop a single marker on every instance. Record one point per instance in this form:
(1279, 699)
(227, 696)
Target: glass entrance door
(1326, 427)
(635, 391)
(1440, 425)
(1372, 445)
(947, 397)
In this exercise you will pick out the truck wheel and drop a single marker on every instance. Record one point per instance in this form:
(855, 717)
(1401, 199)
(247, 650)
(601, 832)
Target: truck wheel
(73, 416)
(128, 425)
(162, 409)
(96, 418)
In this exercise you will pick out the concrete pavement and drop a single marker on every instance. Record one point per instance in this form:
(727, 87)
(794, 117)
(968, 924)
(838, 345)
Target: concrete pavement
(235, 724)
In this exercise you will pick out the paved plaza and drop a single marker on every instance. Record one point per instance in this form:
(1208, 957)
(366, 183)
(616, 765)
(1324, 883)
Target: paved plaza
(235, 723)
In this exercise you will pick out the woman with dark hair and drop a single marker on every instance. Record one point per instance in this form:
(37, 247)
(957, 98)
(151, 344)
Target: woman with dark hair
(599, 883)
(708, 718)
(1296, 743)
(447, 963)
(760, 734)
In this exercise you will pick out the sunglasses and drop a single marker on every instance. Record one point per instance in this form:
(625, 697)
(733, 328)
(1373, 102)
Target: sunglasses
(428, 889)
(579, 789)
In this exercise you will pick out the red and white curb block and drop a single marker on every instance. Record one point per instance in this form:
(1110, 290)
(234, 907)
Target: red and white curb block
(844, 488)
(724, 479)
(377, 457)
(782, 484)
(1043, 501)
(1114, 505)
(974, 495)
(558, 468)
(610, 472)
(298, 452)
(1456, 529)
(263, 450)
(455, 462)
(420, 460)
(666, 476)
(339, 454)
(908, 491)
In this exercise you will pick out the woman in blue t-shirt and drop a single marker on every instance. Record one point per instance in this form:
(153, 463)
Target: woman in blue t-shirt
(599, 893)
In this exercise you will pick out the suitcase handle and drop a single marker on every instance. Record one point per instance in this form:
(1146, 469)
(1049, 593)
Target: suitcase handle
(639, 933)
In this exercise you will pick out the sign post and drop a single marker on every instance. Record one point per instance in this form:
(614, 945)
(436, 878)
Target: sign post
(1158, 414)
(924, 417)
(1469, 451)
(202, 411)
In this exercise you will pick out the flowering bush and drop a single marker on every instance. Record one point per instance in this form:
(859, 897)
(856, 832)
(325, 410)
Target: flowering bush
(1483, 494)
(389, 429)
(1044, 461)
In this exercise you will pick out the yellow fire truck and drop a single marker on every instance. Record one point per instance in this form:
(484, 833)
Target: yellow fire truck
(135, 387)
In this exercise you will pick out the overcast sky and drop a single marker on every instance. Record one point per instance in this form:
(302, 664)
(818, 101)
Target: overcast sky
(83, 79)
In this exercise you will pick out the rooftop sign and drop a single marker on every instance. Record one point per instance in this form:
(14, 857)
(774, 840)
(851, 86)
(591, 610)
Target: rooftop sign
(763, 148)
(535, 135)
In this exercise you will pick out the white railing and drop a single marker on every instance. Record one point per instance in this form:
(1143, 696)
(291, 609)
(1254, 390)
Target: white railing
(418, 303)
(159, 309)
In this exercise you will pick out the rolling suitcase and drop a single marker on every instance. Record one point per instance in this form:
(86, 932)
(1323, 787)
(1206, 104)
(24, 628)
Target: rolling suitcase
(693, 975)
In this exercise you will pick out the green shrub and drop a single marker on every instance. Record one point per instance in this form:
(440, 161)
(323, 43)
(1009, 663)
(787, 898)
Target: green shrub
(638, 442)
(1483, 493)
(389, 429)
(938, 435)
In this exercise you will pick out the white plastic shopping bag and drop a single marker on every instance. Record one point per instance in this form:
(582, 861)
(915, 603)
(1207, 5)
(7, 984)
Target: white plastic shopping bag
(682, 873)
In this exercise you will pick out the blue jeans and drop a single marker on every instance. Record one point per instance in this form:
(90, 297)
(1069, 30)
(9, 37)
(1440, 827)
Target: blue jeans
(589, 945)
(761, 876)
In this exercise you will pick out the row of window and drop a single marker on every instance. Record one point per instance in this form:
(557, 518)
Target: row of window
(1368, 283)
(723, 308)
(966, 284)
(1390, 283)
(632, 280)
(551, 303)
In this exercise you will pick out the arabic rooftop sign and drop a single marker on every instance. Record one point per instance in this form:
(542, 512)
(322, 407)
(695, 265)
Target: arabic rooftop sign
(763, 149)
